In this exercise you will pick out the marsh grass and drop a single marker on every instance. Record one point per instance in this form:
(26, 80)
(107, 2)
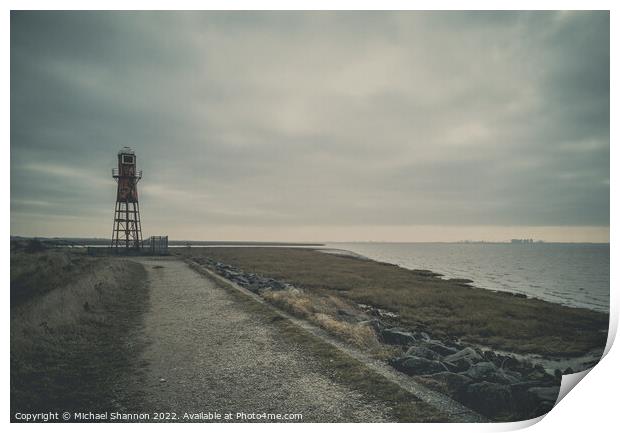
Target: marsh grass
(446, 309)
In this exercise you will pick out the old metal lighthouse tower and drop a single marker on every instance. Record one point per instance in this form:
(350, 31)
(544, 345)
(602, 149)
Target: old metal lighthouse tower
(127, 231)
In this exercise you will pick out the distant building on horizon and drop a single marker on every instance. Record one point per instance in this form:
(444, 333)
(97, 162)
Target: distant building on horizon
(521, 241)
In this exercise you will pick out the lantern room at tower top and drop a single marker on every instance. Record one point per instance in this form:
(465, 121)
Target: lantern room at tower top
(127, 175)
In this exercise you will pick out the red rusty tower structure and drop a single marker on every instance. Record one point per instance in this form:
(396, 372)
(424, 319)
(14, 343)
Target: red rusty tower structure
(127, 231)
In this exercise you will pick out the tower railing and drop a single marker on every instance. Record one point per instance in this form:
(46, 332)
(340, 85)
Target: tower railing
(116, 174)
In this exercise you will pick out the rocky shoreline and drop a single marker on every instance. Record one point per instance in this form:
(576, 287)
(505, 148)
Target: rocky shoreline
(497, 384)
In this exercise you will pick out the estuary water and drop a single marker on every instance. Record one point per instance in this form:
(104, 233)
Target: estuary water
(576, 275)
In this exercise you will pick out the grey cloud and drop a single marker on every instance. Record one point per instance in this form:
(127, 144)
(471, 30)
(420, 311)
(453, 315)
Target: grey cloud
(299, 118)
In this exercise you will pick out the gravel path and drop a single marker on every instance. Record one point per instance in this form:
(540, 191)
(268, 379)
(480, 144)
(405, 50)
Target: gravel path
(206, 354)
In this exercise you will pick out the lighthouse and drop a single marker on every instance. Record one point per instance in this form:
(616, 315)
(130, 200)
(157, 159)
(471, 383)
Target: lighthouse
(127, 230)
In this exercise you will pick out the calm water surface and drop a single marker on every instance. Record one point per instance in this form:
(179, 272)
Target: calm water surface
(576, 275)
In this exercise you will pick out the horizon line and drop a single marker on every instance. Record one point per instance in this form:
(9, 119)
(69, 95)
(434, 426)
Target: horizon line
(323, 242)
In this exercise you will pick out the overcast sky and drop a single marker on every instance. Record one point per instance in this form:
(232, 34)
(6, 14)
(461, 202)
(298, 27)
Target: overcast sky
(314, 126)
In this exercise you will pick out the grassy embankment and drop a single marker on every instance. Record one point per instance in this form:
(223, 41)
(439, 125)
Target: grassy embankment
(445, 309)
(71, 321)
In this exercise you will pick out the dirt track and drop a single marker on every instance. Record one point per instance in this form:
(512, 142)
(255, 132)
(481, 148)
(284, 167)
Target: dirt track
(207, 354)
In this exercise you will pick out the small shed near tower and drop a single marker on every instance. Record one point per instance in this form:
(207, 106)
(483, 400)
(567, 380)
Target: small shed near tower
(158, 245)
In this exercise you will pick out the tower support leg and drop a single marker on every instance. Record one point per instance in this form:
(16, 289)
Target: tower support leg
(126, 229)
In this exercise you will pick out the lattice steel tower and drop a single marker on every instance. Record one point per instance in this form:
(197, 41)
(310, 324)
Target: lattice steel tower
(127, 231)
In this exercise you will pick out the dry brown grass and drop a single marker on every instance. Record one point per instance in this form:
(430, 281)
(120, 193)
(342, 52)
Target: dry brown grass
(295, 304)
(360, 335)
(322, 310)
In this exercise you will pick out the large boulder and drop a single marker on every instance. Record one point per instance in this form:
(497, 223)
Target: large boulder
(375, 324)
(454, 368)
(464, 359)
(520, 389)
(482, 371)
(489, 372)
(449, 383)
(539, 374)
(511, 363)
(414, 365)
(491, 356)
(423, 336)
(544, 393)
(439, 347)
(542, 399)
(524, 403)
(275, 284)
(241, 280)
(423, 352)
(490, 399)
(397, 336)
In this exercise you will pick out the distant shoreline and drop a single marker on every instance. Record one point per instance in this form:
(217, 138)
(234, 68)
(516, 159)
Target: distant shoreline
(60, 241)
(102, 241)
